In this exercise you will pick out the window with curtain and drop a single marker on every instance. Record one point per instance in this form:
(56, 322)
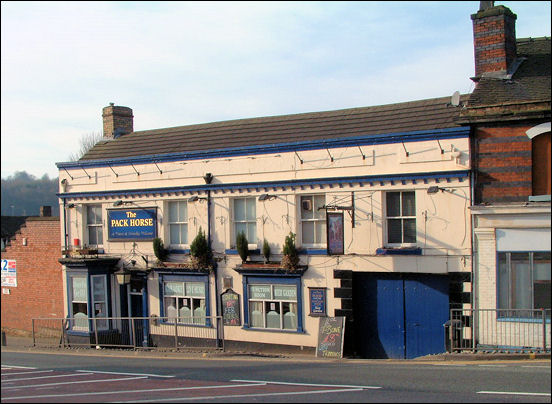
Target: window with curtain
(185, 302)
(313, 220)
(523, 283)
(94, 225)
(400, 218)
(78, 290)
(273, 306)
(245, 219)
(178, 223)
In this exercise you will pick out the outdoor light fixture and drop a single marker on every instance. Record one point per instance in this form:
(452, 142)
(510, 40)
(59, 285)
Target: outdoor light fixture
(264, 197)
(208, 178)
(118, 203)
(123, 276)
(70, 206)
(195, 198)
(433, 190)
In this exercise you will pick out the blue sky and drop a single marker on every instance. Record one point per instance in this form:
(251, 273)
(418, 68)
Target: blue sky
(179, 63)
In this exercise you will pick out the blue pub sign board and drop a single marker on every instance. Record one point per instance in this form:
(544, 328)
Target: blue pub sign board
(132, 224)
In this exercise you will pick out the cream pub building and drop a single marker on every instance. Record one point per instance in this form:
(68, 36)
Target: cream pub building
(377, 197)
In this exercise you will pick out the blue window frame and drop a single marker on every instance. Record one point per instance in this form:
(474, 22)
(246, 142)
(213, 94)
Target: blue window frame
(88, 296)
(273, 303)
(185, 298)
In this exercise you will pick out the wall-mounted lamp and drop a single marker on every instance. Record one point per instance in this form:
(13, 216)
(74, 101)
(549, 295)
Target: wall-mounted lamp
(265, 197)
(70, 206)
(434, 189)
(119, 203)
(208, 178)
(196, 198)
(123, 276)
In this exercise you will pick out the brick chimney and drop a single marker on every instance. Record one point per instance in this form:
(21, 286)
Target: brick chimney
(45, 211)
(494, 39)
(117, 121)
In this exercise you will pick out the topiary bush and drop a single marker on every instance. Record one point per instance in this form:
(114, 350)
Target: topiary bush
(202, 256)
(242, 246)
(291, 257)
(159, 250)
(266, 251)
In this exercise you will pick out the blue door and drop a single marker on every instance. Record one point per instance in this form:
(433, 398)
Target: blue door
(399, 316)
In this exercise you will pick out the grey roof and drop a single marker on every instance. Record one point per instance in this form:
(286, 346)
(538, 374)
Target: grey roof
(530, 82)
(429, 114)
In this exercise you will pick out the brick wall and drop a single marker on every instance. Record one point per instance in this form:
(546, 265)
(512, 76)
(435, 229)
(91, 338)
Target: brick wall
(39, 291)
(503, 164)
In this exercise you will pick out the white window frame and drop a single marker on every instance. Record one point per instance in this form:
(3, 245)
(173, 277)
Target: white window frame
(313, 220)
(72, 300)
(193, 320)
(401, 217)
(252, 242)
(102, 324)
(185, 222)
(274, 300)
(96, 225)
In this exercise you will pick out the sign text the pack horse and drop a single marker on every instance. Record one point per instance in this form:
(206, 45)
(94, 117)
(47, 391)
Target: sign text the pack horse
(132, 224)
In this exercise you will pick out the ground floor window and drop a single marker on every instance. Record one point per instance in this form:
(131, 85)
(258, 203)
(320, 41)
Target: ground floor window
(273, 306)
(83, 306)
(523, 282)
(273, 303)
(185, 300)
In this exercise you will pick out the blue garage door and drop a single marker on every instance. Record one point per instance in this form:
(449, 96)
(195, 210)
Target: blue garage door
(399, 316)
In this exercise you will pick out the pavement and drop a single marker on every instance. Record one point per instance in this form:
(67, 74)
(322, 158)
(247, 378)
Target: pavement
(25, 344)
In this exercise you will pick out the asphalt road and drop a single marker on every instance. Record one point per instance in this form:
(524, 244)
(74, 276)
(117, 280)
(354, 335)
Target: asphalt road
(37, 377)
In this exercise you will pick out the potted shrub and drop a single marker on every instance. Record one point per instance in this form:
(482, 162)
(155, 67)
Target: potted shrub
(159, 250)
(242, 246)
(266, 251)
(290, 257)
(200, 251)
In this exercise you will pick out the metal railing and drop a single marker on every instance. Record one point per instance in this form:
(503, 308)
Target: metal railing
(205, 333)
(499, 330)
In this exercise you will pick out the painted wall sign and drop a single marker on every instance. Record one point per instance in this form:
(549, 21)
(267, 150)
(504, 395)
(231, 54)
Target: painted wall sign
(335, 233)
(9, 273)
(132, 224)
(317, 298)
(330, 337)
(230, 308)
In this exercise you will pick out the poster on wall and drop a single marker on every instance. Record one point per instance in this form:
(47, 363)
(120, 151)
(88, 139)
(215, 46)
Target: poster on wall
(336, 245)
(9, 273)
(317, 299)
(132, 224)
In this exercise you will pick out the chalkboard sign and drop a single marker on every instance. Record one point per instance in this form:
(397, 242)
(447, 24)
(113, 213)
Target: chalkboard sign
(330, 337)
(230, 302)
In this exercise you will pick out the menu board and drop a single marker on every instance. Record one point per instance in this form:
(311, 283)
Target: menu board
(230, 302)
(330, 337)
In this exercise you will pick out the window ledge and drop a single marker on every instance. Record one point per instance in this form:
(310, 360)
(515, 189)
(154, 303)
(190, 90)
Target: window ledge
(539, 198)
(399, 251)
(272, 330)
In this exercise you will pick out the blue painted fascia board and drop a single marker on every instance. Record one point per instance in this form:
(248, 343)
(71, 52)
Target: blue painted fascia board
(271, 184)
(363, 140)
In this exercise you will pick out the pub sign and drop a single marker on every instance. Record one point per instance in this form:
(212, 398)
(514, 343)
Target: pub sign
(132, 224)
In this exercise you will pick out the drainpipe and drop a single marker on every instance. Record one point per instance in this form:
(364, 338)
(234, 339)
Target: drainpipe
(65, 223)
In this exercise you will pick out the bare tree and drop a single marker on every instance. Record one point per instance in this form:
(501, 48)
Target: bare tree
(87, 141)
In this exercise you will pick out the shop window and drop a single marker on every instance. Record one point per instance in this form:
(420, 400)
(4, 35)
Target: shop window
(185, 302)
(94, 225)
(523, 283)
(541, 156)
(400, 218)
(273, 306)
(245, 219)
(178, 223)
(99, 300)
(313, 221)
(78, 302)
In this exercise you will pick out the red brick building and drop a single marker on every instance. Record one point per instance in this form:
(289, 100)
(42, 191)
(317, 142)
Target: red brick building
(36, 248)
